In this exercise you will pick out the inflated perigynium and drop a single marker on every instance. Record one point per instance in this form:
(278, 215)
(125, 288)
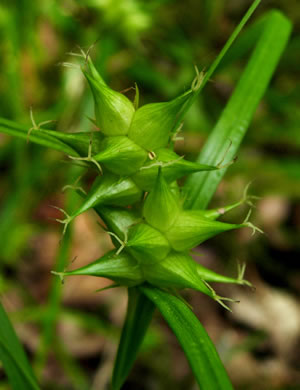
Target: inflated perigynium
(138, 198)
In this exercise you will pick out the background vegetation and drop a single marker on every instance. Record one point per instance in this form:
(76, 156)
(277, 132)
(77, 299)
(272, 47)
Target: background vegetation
(155, 44)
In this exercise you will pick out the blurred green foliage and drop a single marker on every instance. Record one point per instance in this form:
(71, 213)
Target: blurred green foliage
(156, 44)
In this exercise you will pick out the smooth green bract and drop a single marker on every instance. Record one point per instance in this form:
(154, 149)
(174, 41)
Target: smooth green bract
(13, 357)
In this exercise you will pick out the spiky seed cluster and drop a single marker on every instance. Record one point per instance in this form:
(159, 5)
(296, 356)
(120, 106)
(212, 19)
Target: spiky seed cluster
(138, 168)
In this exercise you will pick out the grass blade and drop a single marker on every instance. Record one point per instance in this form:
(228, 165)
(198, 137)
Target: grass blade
(204, 360)
(16, 130)
(13, 357)
(139, 314)
(237, 115)
(217, 61)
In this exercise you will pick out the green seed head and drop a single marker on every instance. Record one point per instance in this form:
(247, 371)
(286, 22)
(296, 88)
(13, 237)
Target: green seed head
(110, 190)
(138, 196)
(177, 270)
(121, 155)
(147, 244)
(94, 72)
(113, 111)
(121, 268)
(161, 207)
(118, 220)
(153, 123)
(192, 228)
(173, 167)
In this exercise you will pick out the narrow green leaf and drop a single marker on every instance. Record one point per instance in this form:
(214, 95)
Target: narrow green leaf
(73, 144)
(236, 117)
(36, 136)
(199, 349)
(13, 357)
(217, 61)
(139, 314)
(79, 141)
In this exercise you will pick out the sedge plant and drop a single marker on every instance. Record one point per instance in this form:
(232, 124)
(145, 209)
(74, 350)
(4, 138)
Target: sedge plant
(153, 221)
